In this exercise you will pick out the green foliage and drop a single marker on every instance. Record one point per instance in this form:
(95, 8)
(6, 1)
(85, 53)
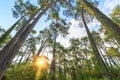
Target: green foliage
(113, 51)
(77, 62)
(21, 72)
(115, 15)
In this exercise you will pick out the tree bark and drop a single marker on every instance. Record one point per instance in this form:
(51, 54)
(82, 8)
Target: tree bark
(28, 57)
(4, 62)
(12, 42)
(104, 67)
(4, 36)
(10, 50)
(52, 71)
(41, 47)
(105, 21)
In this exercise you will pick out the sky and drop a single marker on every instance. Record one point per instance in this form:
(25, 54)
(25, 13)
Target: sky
(106, 6)
(6, 18)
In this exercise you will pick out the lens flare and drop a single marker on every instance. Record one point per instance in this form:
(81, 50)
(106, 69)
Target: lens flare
(41, 62)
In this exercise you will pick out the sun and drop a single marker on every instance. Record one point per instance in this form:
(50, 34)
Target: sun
(41, 62)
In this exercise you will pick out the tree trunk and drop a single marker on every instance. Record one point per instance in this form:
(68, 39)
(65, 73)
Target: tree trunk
(20, 61)
(28, 57)
(41, 47)
(81, 65)
(4, 36)
(17, 58)
(12, 42)
(4, 62)
(104, 68)
(105, 60)
(22, 56)
(11, 49)
(88, 65)
(109, 24)
(52, 68)
(109, 57)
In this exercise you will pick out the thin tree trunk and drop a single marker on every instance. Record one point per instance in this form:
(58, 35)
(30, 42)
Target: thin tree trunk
(11, 49)
(18, 55)
(74, 73)
(52, 70)
(104, 68)
(81, 65)
(105, 50)
(22, 57)
(28, 57)
(12, 42)
(88, 65)
(41, 47)
(5, 35)
(114, 62)
(105, 60)
(109, 24)
(8, 57)
(20, 60)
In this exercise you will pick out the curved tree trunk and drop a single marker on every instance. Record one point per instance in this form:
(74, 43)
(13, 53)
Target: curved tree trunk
(103, 66)
(109, 24)
(4, 36)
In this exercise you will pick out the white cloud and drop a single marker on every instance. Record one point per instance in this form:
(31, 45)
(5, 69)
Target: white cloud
(107, 5)
(63, 41)
(94, 25)
(74, 22)
(75, 31)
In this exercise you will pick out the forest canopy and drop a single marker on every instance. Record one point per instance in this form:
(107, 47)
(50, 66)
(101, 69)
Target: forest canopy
(78, 42)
